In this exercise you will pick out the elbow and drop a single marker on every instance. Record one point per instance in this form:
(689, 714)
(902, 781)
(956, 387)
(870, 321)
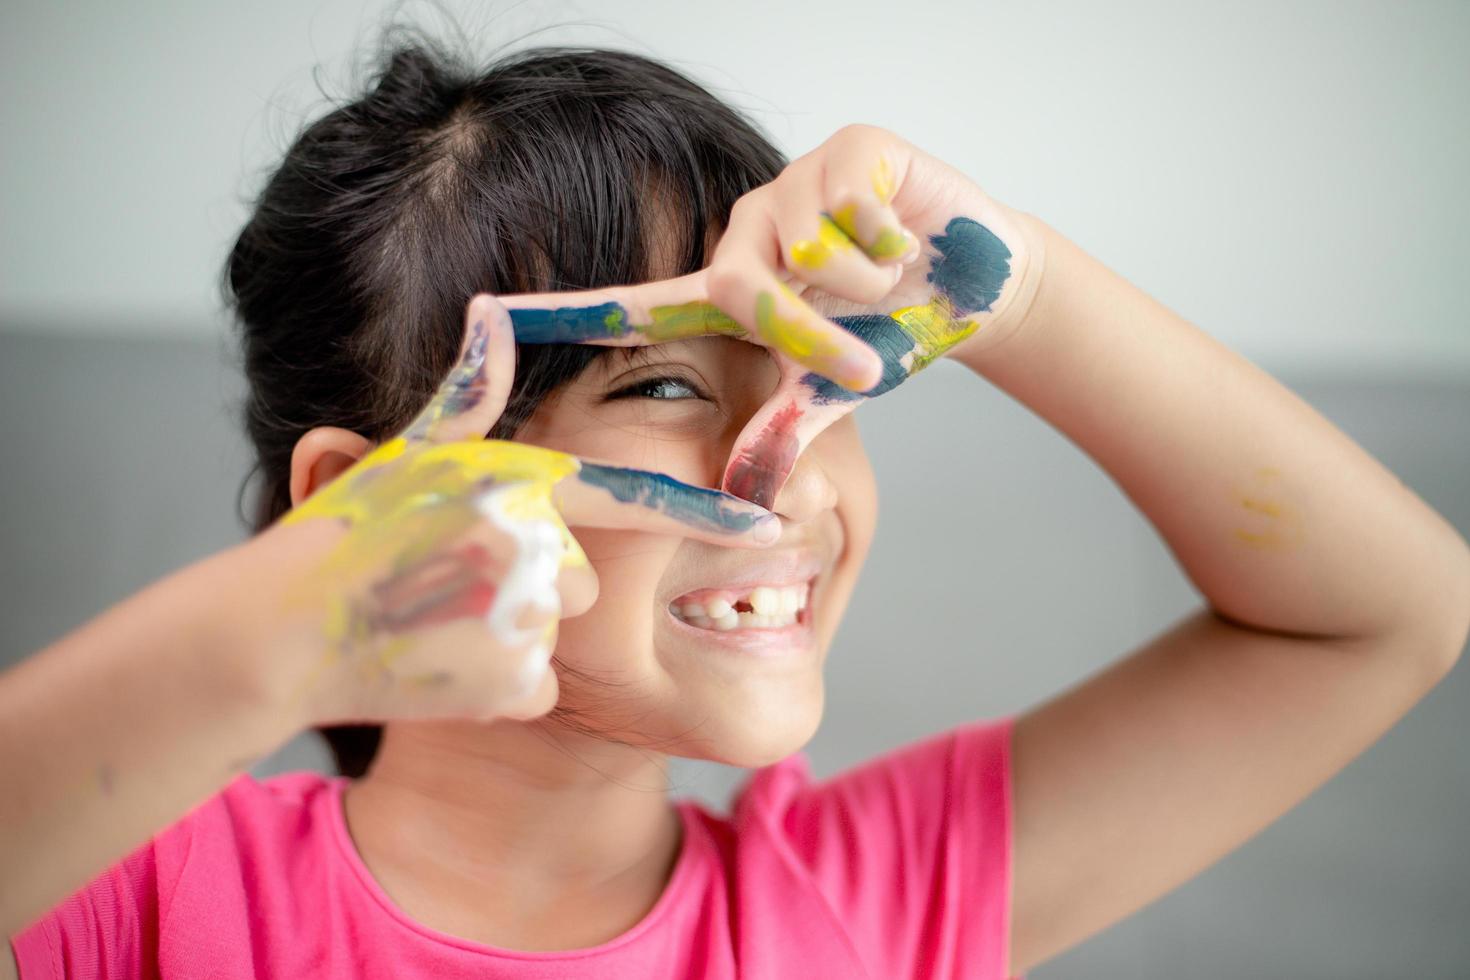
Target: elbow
(1449, 610)
(1430, 632)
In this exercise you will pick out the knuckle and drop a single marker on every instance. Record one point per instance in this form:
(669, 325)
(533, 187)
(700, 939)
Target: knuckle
(756, 199)
(725, 283)
(870, 288)
(856, 131)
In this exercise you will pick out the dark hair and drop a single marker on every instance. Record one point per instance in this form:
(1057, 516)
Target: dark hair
(551, 169)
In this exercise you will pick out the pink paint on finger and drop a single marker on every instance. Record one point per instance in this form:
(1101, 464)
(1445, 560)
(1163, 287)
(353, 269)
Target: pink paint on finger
(768, 447)
(758, 469)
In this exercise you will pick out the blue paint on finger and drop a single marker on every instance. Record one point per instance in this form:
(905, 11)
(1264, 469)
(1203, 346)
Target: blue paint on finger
(968, 274)
(569, 324)
(708, 510)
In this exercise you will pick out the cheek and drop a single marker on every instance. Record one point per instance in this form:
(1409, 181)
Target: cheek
(845, 459)
(616, 633)
(692, 453)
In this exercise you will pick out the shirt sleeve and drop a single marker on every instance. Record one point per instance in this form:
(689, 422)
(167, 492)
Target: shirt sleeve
(107, 929)
(912, 849)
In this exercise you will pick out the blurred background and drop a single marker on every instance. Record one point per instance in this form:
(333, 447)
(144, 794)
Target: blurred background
(1289, 176)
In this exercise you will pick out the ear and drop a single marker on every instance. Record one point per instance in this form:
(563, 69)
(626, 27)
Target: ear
(320, 456)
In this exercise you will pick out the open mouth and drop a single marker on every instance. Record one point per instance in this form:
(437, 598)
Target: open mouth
(761, 607)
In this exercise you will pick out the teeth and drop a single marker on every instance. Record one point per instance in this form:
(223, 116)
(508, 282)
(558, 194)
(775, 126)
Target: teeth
(771, 607)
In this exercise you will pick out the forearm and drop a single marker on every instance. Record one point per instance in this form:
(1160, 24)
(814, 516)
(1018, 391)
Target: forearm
(1281, 520)
(121, 727)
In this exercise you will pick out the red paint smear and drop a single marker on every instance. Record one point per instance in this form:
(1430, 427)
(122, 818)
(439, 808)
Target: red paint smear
(455, 584)
(759, 471)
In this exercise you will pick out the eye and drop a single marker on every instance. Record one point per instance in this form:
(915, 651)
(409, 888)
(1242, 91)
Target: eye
(665, 388)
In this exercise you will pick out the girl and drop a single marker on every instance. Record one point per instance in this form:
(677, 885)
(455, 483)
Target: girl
(502, 811)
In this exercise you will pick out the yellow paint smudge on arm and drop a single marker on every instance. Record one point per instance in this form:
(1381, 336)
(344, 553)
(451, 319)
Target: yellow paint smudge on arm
(1276, 524)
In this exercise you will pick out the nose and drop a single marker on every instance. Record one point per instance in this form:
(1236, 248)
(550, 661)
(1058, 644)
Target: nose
(807, 492)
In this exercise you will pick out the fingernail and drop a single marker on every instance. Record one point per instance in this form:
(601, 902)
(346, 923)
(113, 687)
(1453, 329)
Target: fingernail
(912, 254)
(472, 348)
(861, 375)
(767, 530)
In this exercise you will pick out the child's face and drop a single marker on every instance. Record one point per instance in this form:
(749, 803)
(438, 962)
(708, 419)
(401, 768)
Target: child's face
(646, 669)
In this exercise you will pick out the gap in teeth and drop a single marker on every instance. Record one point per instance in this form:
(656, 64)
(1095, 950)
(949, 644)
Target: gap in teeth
(763, 607)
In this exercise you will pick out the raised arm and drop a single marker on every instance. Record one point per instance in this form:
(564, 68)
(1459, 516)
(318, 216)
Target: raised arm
(1336, 598)
(121, 726)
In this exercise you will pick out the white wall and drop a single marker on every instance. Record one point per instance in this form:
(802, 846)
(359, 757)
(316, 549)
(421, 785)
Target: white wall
(1288, 175)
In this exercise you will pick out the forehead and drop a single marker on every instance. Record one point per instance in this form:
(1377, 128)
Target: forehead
(666, 217)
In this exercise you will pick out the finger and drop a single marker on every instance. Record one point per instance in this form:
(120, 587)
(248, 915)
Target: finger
(649, 313)
(819, 252)
(541, 699)
(862, 173)
(527, 592)
(765, 452)
(742, 281)
(639, 500)
(579, 588)
(805, 403)
(513, 682)
(686, 306)
(473, 394)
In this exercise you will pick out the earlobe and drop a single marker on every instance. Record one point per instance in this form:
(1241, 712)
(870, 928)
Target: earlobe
(321, 456)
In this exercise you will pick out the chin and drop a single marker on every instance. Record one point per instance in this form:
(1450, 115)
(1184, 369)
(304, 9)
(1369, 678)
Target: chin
(751, 736)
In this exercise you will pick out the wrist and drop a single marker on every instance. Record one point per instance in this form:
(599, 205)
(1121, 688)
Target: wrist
(1015, 312)
(241, 619)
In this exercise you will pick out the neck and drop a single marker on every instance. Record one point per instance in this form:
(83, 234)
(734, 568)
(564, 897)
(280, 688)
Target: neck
(469, 814)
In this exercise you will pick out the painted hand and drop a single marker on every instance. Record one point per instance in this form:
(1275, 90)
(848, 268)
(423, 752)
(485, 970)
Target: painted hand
(440, 593)
(908, 258)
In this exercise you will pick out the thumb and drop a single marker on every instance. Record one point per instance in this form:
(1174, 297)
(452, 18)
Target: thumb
(473, 395)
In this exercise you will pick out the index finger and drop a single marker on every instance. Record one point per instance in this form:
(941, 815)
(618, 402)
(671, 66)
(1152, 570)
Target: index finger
(622, 316)
(473, 394)
(599, 495)
(680, 308)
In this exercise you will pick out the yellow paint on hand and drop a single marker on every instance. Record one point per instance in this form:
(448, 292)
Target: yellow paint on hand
(814, 253)
(800, 339)
(404, 502)
(933, 328)
(883, 181)
(845, 218)
(614, 323)
(890, 244)
(697, 319)
(390, 483)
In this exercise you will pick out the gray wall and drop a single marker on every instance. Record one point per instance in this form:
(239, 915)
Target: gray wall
(122, 462)
(1291, 174)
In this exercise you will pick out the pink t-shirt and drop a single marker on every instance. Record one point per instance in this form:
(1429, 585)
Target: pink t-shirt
(897, 868)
